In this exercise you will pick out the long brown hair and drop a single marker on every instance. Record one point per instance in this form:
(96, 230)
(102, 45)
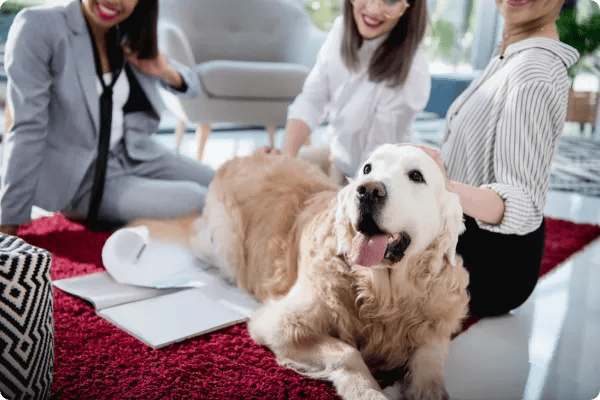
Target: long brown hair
(139, 31)
(391, 61)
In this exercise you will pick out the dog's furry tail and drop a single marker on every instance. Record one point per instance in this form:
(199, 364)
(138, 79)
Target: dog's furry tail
(177, 230)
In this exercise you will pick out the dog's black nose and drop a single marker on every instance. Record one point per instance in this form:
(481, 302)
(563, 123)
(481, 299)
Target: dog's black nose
(371, 191)
(371, 198)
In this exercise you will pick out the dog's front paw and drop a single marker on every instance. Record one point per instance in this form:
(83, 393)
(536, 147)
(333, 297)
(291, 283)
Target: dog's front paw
(372, 394)
(358, 389)
(432, 390)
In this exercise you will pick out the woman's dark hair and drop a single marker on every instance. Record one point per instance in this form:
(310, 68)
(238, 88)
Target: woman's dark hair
(139, 31)
(391, 61)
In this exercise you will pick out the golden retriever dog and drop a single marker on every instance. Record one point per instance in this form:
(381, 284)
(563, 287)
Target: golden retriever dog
(365, 281)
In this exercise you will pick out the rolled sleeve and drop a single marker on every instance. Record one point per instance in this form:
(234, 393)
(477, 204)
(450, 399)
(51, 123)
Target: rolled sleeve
(190, 79)
(527, 132)
(520, 216)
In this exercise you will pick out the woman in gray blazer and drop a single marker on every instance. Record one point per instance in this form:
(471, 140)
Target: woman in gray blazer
(55, 58)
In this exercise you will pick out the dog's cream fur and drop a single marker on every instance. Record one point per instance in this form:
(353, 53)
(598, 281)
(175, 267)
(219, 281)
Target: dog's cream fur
(322, 315)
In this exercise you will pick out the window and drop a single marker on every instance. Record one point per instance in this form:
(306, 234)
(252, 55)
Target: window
(449, 39)
(323, 12)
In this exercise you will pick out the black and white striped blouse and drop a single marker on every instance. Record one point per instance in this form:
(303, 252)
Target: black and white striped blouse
(502, 131)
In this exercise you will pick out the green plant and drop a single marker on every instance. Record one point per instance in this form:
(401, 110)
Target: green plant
(450, 31)
(8, 10)
(14, 6)
(323, 12)
(579, 27)
(442, 33)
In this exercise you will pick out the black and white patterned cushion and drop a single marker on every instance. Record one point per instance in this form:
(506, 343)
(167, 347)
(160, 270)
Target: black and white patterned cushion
(26, 320)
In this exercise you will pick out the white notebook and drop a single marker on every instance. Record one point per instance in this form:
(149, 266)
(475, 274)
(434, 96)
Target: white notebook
(164, 294)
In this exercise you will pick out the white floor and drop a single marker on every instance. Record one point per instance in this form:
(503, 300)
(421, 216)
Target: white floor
(548, 349)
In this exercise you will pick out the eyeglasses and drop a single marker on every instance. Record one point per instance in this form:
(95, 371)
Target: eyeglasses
(387, 8)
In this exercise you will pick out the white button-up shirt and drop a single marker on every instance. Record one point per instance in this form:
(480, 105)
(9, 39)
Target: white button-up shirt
(362, 114)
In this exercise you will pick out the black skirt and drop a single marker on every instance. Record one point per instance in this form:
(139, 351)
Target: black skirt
(503, 269)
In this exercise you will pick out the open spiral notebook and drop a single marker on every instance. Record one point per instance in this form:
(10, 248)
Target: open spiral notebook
(158, 291)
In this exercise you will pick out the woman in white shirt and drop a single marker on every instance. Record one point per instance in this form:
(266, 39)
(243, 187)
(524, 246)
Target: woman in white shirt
(370, 79)
(497, 151)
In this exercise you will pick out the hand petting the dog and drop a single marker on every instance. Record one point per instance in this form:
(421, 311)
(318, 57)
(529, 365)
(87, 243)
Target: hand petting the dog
(435, 154)
(483, 204)
(271, 150)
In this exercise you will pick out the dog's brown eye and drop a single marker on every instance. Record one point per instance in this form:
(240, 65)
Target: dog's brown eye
(367, 169)
(416, 176)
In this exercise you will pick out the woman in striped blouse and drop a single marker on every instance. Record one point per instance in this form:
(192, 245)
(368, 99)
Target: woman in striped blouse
(499, 144)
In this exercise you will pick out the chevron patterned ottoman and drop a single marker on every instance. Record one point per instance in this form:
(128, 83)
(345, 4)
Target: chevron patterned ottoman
(26, 320)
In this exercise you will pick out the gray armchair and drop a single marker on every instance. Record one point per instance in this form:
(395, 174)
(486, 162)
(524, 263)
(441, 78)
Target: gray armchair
(252, 57)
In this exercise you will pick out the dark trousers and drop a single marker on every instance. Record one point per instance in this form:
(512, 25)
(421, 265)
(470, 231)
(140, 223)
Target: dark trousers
(503, 269)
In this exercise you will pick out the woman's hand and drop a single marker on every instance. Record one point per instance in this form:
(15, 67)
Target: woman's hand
(270, 150)
(435, 154)
(483, 204)
(157, 66)
(9, 229)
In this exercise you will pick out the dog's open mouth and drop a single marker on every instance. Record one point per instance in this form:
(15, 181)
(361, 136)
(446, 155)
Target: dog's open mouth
(371, 249)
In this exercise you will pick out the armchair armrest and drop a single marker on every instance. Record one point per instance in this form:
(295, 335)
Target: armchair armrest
(305, 45)
(174, 44)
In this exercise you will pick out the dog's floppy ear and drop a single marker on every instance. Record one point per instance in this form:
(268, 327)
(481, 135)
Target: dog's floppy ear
(452, 222)
(342, 223)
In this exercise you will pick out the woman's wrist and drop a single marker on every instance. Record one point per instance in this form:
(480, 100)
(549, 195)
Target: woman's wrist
(172, 77)
(296, 133)
(483, 204)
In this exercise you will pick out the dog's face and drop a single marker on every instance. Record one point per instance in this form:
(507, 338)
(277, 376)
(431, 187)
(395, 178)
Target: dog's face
(397, 205)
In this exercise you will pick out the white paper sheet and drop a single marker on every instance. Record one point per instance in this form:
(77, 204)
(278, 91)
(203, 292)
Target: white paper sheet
(103, 291)
(171, 318)
(158, 291)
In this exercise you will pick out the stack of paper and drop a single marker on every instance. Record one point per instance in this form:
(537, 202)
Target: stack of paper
(158, 291)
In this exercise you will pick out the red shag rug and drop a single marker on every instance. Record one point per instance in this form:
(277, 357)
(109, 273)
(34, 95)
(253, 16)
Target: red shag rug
(96, 360)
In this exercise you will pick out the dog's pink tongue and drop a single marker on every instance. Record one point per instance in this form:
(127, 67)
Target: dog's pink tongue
(368, 250)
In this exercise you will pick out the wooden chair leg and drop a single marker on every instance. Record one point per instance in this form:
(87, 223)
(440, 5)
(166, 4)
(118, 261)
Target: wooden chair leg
(202, 132)
(272, 129)
(179, 132)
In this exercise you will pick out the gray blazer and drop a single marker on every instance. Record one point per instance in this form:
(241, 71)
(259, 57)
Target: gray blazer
(55, 108)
